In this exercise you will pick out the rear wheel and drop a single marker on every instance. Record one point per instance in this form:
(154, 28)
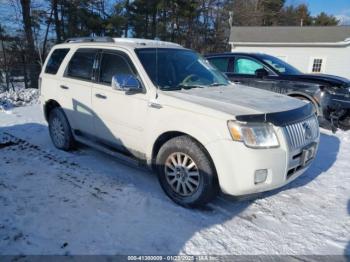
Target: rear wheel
(60, 130)
(185, 172)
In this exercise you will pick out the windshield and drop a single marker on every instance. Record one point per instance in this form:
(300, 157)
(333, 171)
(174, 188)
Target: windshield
(171, 69)
(281, 66)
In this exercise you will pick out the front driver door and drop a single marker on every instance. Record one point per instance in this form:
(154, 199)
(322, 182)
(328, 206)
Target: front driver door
(225, 65)
(245, 68)
(119, 117)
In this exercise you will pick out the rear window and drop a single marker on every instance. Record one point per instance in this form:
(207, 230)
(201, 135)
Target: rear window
(55, 60)
(81, 64)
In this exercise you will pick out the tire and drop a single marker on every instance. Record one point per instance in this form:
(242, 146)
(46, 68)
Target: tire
(60, 130)
(193, 182)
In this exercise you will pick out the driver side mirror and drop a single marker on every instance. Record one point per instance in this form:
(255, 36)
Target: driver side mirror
(127, 83)
(261, 73)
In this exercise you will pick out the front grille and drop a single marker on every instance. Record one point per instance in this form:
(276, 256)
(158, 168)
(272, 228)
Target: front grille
(302, 133)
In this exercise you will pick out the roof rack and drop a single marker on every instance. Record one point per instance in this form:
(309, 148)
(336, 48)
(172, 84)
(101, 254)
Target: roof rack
(140, 41)
(136, 41)
(89, 39)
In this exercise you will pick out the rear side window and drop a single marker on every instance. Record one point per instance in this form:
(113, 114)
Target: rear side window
(55, 60)
(81, 64)
(221, 63)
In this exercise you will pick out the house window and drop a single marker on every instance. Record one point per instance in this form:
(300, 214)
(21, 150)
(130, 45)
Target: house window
(317, 65)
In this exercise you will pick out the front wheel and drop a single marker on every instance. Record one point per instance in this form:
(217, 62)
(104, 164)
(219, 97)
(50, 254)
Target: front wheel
(186, 173)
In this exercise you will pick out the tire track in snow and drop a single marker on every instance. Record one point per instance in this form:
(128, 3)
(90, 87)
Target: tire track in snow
(9, 140)
(14, 143)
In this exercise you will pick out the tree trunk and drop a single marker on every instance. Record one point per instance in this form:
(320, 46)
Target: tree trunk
(164, 21)
(5, 65)
(27, 26)
(127, 18)
(146, 35)
(173, 20)
(71, 19)
(154, 22)
(24, 68)
(57, 21)
(63, 32)
(46, 34)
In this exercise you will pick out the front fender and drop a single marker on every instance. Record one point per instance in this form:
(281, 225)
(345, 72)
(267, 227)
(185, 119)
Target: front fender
(203, 128)
(309, 97)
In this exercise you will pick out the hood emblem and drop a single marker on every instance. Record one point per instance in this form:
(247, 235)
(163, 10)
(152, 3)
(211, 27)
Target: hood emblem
(307, 131)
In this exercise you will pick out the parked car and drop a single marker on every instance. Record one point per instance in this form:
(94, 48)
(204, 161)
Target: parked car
(166, 106)
(330, 95)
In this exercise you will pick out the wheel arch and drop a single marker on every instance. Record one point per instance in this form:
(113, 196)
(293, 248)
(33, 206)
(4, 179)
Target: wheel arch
(166, 136)
(307, 97)
(49, 105)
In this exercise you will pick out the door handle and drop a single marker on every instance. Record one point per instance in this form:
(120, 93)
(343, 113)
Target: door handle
(101, 96)
(237, 82)
(64, 87)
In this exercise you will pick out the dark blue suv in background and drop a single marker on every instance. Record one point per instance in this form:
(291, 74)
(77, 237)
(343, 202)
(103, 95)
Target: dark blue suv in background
(330, 95)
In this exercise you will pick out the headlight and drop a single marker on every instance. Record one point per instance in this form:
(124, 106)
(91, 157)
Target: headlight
(259, 135)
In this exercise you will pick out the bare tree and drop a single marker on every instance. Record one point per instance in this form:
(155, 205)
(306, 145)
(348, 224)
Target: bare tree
(58, 26)
(31, 55)
(4, 64)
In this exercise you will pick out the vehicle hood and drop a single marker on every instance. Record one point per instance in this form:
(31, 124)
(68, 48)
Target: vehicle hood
(334, 81)
(238, 99)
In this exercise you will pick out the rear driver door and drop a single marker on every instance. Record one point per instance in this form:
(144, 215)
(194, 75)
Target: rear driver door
(75, 90)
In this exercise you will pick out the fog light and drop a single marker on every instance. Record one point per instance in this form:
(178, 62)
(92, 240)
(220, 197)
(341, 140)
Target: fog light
(260, 176)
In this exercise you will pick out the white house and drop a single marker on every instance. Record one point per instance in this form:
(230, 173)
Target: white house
(310, 49)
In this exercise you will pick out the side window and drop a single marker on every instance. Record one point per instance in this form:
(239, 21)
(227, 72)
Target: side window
(246, 66)
(220, 63)
(81, 64)
(112, 64)
(55, 60)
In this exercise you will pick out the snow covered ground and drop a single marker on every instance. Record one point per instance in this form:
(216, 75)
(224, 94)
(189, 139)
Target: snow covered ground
(86, 202)
(18, 97)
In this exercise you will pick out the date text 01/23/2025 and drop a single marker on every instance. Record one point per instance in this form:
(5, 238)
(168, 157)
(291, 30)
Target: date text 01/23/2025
(172, 258)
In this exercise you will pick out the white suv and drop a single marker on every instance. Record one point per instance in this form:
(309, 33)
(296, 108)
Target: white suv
(166, 106)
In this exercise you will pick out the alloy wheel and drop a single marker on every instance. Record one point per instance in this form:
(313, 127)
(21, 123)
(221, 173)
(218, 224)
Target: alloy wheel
(182, 174)
(57, 131)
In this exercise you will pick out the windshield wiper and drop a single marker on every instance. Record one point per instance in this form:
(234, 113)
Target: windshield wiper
(190, 86)
(217, 84)
(179, 87)
(171, 88)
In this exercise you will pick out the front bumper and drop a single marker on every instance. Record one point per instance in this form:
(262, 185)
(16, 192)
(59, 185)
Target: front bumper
(236, 165)
(336, 109)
